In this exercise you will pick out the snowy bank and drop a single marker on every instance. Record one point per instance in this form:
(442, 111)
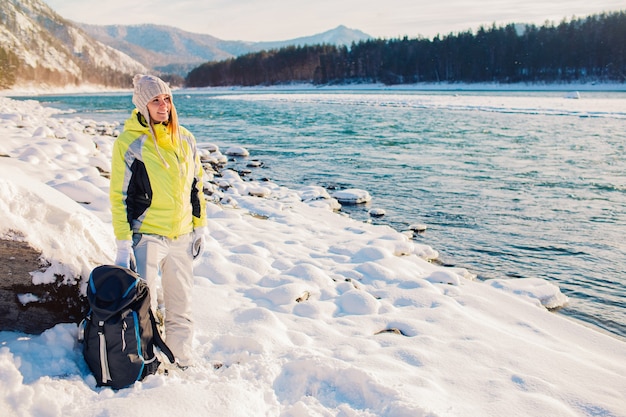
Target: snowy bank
(299, 311)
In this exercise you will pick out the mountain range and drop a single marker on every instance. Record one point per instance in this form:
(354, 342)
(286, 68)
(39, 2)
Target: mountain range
(172, 50)
(40, 48)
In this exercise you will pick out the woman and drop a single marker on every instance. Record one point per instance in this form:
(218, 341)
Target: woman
(158, 206)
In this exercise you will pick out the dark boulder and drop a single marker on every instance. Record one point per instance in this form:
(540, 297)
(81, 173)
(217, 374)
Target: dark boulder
(29, 308)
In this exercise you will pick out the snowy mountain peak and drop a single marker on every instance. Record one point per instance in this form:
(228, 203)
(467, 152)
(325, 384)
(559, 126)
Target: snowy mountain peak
(40, 47)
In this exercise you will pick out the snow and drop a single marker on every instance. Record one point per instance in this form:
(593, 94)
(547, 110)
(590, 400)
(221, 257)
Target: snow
(237, 151)
(352, 196)
(299, 311)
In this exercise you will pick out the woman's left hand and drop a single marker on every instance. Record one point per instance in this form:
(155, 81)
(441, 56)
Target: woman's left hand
(198, 242)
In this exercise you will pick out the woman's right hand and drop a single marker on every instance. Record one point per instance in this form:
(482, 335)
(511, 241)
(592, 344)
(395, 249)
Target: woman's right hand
(125, 255)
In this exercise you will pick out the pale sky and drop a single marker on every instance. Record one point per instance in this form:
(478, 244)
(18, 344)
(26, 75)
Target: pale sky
(271, 20)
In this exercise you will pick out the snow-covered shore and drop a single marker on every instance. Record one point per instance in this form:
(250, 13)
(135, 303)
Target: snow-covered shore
(311, 313)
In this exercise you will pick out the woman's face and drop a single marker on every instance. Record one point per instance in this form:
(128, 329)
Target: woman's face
(159, 108)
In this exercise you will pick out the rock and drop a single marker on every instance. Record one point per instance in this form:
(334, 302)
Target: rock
(237, 151)
(418, 228)
(352, 196)
(305, 296)
(29, 308)
(259, 192)
(392, 330)
(255, 163)
(377, 212)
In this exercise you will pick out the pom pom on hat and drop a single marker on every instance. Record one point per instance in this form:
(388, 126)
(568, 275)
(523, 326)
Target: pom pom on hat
(147, 87)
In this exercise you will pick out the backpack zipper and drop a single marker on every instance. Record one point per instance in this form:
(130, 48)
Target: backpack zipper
(104, 361)
(124, 327)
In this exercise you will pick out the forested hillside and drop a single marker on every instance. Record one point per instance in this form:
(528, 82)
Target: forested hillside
(591, 49)
(40, 48)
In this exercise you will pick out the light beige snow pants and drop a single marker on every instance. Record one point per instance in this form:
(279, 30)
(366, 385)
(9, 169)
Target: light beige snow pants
(167, 266)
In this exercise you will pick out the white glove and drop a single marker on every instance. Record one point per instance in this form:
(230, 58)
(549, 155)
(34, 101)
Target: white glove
(125, 255)
(199, 242)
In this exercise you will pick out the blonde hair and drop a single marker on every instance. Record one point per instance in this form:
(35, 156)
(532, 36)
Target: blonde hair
(173, 126)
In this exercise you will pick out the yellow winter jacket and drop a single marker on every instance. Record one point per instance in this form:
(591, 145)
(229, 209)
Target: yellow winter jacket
(155, 191)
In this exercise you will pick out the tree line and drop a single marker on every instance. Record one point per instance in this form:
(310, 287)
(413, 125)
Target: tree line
(590, 49)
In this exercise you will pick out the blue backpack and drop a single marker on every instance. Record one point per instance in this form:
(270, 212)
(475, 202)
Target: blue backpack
(119, 333)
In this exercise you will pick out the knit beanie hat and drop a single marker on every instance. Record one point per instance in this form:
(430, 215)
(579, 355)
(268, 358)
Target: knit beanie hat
(147, 87)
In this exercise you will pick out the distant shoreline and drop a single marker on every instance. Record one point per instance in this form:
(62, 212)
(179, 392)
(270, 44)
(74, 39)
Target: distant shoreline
(21, 91)
(607, 87)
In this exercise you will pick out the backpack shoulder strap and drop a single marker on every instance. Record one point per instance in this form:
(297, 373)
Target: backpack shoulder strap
(158, 340)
